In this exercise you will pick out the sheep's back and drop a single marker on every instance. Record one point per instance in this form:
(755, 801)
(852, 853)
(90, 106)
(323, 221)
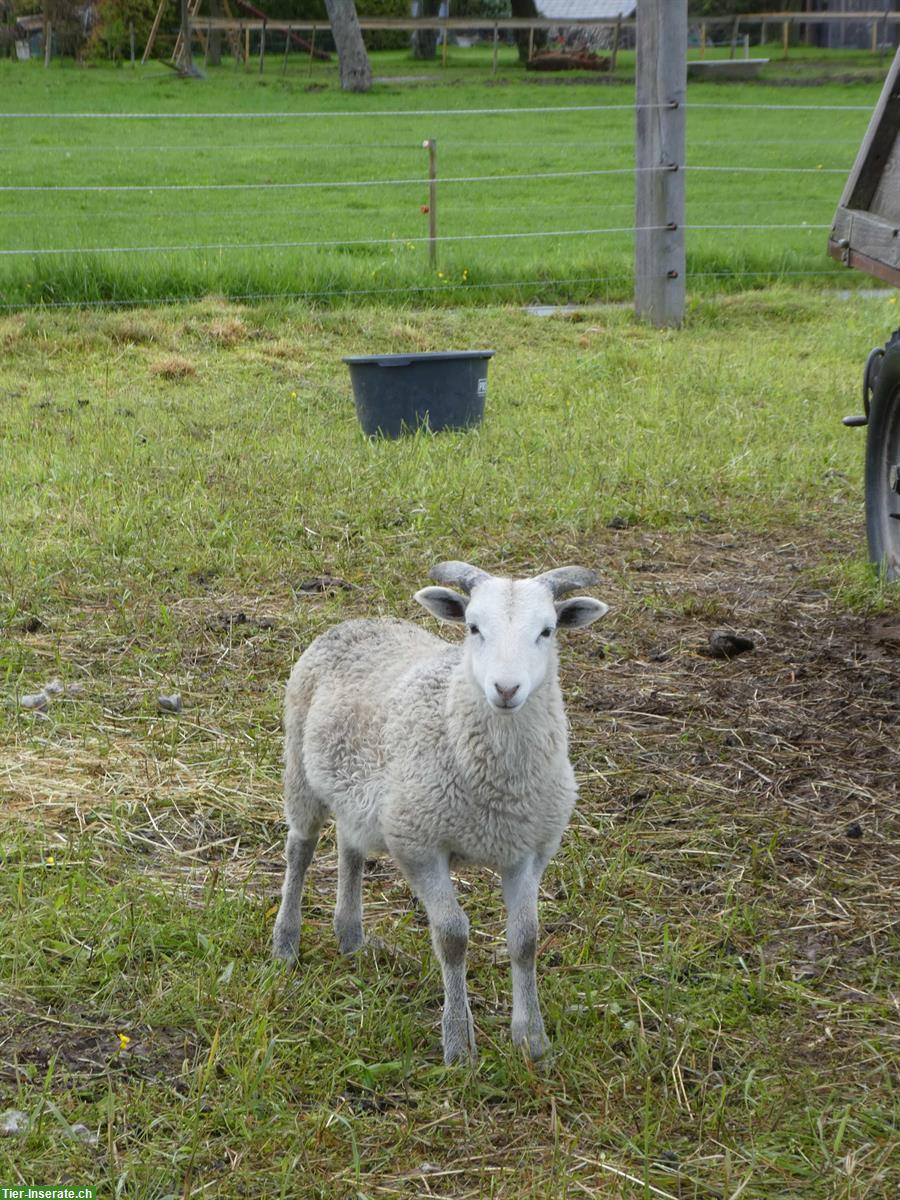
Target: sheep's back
(339, 699)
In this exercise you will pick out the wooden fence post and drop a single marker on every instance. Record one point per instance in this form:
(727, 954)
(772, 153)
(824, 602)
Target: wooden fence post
(262, 47)
(785, 37)
(659, 258)
(494, 56)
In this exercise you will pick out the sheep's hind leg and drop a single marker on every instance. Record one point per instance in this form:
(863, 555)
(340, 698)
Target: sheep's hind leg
(520, 893)
(450, 936)
(348, 910)
(286, 934)
(304, 814)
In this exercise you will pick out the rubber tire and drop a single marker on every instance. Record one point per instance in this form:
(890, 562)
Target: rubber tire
(883, 454)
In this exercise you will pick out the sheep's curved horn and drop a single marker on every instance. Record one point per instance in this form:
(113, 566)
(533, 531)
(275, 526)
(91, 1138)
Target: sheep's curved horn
(567, 579)
(460, 574)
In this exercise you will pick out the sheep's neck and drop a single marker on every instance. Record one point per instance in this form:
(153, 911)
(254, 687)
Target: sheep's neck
(507, 744)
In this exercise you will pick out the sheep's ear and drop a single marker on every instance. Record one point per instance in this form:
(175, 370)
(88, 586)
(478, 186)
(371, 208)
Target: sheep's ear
(579, 611)
(443, 604)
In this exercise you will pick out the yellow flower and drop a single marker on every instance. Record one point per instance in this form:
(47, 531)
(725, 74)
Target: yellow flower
(293, 395)
(50, 860)
(124, 1039)
(440, 274)
(893, 300)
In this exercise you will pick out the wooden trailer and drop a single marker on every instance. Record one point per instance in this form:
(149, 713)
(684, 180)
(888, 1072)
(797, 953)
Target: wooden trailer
(866, 235)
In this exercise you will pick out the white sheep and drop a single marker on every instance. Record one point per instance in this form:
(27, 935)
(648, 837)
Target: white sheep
(438, 754)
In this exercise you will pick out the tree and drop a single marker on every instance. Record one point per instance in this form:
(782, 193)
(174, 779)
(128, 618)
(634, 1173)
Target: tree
(356, 74)
(526, 9)
(424, 41)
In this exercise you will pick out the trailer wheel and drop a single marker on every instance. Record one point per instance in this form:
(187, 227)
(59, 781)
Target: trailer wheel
(883, 464)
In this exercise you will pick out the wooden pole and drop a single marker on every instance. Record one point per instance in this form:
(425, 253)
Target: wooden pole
(48, 43)
(287, 46)
(246, 45)
(874, 36)
(785, 37)
(206, 47)
(444, 47)
(430, 145)
(764, 32)
(734, 35)
(312, 48)
(186, 54)
(617, 33)
(262, 47)
(154, 29)
(530, 42)
(238, 44)
(494, 58)
(746, 45)
(703, 39)
(131, 40)
(659, 259)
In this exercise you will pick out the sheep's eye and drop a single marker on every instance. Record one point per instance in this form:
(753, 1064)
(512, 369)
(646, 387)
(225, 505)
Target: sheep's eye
(546, 632)
(474, 630)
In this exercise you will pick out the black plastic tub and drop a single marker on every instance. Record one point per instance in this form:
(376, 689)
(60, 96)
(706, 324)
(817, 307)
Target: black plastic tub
(399, 393)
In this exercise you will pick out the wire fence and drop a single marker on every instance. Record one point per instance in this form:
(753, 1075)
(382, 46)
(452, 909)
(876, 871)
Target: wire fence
(53, 253)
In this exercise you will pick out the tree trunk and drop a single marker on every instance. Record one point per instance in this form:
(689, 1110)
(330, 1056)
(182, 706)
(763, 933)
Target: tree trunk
(424, 41)
(356, 74)
(186, 62)
(526, 9)
(214, 50)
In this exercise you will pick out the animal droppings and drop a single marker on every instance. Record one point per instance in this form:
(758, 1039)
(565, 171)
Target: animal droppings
(36, 701)
(324, 583)
(723, 644)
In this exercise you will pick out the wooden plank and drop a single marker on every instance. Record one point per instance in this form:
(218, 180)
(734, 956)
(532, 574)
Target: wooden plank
(659, 259)
(861, 262)
(862, 233)
(877, 144)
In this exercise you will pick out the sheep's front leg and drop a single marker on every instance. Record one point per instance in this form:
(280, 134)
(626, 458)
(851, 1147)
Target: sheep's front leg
(520, 893)
(450, 936)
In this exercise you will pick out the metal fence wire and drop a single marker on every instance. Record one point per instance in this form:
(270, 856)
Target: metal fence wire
(146, 198)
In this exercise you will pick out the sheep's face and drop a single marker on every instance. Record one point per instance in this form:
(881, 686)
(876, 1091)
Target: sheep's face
(511, 625)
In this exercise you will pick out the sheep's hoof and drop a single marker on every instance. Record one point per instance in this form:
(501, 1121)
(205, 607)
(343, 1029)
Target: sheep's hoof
(459, 1040)
(286, 945)
(350, 940)
(533, 1043)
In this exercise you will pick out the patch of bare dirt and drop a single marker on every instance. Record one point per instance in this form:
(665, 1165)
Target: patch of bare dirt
(775, 769)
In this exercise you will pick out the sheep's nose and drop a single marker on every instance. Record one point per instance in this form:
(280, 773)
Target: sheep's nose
(506, 693)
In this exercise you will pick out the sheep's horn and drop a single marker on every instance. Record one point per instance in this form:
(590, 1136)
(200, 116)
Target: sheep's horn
(567, 579)
(460, 574)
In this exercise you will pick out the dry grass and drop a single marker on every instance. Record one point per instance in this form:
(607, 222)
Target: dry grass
(173, 367)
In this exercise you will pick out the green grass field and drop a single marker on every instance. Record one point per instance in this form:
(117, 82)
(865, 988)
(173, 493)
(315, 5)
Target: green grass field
(719, 954)
(558, 265)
